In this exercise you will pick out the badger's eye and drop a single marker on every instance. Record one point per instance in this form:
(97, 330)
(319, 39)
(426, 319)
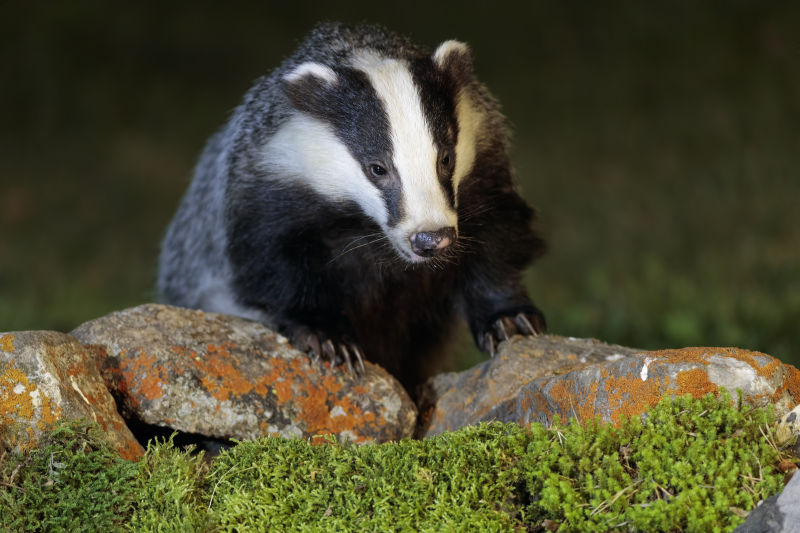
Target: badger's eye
(446, 161)
(377, 170)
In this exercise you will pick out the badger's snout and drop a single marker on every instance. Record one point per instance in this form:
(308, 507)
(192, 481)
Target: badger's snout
(430, 243)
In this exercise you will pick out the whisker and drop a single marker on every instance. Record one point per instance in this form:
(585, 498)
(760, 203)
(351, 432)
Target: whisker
(350, 248)
(473, 212)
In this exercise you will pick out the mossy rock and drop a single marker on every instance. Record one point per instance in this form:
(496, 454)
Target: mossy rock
(688, 464)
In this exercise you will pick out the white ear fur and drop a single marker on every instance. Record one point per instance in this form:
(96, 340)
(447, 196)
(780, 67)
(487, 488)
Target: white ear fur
(316, 70)
(448, 48)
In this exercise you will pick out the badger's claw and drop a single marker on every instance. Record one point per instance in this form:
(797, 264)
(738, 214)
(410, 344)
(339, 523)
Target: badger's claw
(489, 339)
(320, 346)
(329, 351)
(359, 358)
(526, 323)
(347, 360)
(531, 323)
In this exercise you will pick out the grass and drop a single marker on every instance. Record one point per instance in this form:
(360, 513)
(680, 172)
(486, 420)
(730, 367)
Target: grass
(689, 464)
(658, 140)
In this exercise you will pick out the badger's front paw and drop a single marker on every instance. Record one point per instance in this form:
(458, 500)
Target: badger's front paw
(530, 322)
(322, 346)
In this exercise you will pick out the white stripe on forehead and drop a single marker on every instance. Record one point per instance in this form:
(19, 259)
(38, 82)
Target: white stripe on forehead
(415, 154)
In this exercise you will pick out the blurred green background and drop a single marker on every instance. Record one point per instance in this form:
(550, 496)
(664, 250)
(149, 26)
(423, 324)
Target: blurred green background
(659, 140)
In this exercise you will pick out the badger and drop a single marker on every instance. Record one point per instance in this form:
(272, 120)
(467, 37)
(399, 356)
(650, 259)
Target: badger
(358, 200)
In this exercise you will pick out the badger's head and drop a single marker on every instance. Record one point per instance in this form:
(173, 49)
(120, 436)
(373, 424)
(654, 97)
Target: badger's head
(394, 136)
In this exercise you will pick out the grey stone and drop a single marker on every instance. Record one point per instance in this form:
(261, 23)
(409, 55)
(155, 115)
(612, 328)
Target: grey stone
(535, 378)
(226, 377)
(778, 514)
(46, 377)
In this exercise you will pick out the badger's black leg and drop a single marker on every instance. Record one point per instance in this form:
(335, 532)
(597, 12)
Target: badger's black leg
(494, 318)
(500, 244)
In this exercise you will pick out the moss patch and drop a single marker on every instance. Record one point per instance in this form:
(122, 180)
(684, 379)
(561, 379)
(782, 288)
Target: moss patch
(688, 464)
(73, 482)
(464, 479)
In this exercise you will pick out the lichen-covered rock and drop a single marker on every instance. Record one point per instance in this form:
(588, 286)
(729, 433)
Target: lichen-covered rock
(626, 383)
(458, 399)
(47, 376)
(227, 377)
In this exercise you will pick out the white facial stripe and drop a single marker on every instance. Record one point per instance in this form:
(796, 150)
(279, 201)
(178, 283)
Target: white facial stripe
(447, 48)
(311, 69)
(307, 151)
(469, 125)
(415, 155)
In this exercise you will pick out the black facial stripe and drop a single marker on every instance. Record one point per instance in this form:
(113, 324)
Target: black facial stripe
(358, 117)
(438, 93)
(393, 198)
(360, 121)
(449, 191)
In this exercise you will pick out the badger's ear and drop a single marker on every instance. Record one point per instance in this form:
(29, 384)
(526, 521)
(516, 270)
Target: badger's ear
(454, 58)
(307, 86)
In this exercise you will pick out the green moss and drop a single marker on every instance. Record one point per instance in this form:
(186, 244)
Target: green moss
(692, 465)
(457, 480)
(169, 491)
(74, 482)
(688, 465)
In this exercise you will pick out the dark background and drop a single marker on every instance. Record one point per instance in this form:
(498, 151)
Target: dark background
(659, 140)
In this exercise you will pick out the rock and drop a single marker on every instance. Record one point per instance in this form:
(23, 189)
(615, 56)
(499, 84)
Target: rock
(227, 377)
(778, 514)
(587, 379)
(458, 399)
(787, 431)
(46, 377)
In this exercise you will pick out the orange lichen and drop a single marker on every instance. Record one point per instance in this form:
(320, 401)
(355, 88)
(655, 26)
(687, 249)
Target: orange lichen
(7, 343)
(221, 374)
(15, 396)
(49, 413)
(631, 395)
(685, 355)
(292, 382)
(580, 404)
(17, 404)
(283, 390)
(78, 368)
(131, 450)
(701, 355)
(696, 383)
(143, 376)
(299, 387)
(793, 383)
(331, 384)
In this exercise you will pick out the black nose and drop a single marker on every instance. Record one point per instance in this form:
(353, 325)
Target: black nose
(430, 243)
